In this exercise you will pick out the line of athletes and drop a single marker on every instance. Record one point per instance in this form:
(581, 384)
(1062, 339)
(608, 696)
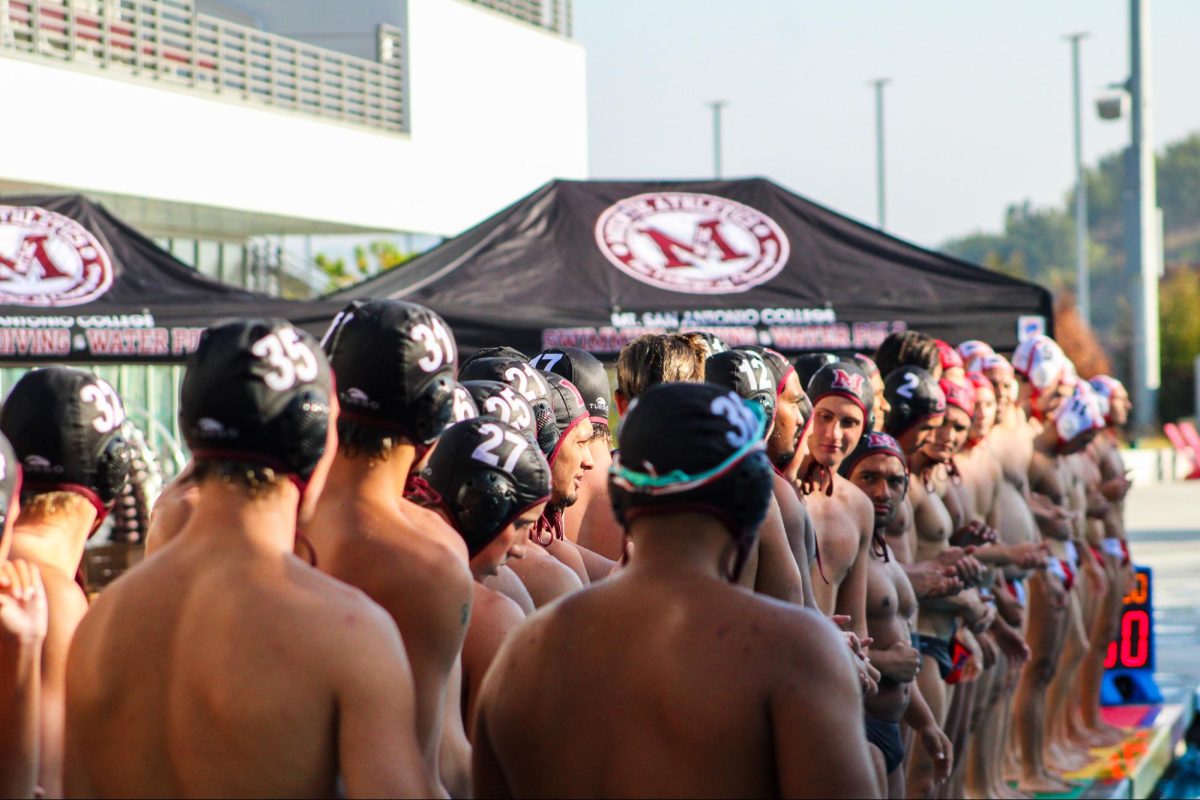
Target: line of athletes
(830, 578)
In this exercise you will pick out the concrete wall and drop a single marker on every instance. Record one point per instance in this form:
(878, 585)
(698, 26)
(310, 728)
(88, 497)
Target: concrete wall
(1155, 465)
(497, 108)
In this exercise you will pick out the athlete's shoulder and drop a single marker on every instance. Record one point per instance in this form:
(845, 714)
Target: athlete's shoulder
(332, 610)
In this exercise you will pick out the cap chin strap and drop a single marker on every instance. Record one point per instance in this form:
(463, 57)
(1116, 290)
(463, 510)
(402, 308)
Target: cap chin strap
(879, 544)
(549, 527)
(562, 437)
(816, 474)
(419, 491)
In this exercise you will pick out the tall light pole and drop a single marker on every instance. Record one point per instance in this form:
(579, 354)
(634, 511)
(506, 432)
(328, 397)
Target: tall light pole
(880, 186)
(1082, 288)
(716, 106)
(1142, 234)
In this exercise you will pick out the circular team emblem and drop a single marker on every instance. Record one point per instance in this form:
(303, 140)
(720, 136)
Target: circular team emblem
(47, 259)
(695, 243)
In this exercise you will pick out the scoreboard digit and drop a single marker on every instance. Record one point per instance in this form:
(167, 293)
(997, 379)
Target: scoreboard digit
(1134, 648)
(1130, 659)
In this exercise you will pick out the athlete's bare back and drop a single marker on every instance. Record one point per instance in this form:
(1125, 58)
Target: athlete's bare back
(565, 713)
(407, 559)
(230, 669)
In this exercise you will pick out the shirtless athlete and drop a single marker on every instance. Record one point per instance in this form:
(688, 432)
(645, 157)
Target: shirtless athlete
(746, 373)
(22, 630)
(229, 666)
(591, 523)
(652, 359)
(786, 444)
(1113, 485)
(555, 568)
(491, 483)
(560, 707)
(842, 400)
(64, 425)
(878, 467)
(394, 363)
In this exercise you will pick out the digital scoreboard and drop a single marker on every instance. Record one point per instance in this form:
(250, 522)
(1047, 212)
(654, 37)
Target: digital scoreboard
(1129, 665)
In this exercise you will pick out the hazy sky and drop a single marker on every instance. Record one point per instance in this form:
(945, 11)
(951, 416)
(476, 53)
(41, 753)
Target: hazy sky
(978, 113)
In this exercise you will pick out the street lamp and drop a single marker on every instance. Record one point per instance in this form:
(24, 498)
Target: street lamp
(880, 194)
(716, 106)
(1143, 221)
(1082, 288)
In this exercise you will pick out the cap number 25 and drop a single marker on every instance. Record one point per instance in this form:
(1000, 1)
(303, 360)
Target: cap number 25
(290, 359)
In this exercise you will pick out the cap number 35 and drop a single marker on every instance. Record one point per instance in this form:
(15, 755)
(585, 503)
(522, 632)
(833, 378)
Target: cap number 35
(290, 359)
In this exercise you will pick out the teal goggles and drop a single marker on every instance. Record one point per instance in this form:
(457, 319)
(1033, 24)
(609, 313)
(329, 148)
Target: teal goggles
(677, 480)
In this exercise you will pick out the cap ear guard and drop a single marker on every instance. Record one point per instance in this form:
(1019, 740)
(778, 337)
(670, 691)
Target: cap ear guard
(112, 469)
(303, 428)
(434, 410)
(548, 432)
(483, 506)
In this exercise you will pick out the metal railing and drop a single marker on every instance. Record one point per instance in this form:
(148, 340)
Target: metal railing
(553, 15)
(166, 40)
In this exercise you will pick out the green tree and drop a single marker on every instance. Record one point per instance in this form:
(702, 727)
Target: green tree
(1179, 298)
(369, 259)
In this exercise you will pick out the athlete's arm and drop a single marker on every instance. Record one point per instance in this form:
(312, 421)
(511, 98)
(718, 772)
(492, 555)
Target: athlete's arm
(778, 575)
(483, 642)
(597, 566)
(378, 751)
(816, 719)
(852, 594)
(798, 528)
(486, 772)
(433, 642)
(22, 630)
(937, 745)
(67, 606)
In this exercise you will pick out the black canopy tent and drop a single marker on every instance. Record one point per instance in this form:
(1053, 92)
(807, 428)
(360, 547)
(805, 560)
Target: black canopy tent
(595, 263)
(79, 285)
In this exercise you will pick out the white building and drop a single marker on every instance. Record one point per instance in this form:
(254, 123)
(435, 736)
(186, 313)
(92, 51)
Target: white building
(211, 125)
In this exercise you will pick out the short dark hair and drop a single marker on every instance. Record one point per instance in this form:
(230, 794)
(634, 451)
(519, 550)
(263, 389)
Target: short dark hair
(655, 358)
(909, 348)
(257, 480)
(359, 440)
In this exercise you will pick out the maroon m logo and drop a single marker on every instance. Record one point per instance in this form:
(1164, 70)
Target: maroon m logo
(847, 382)
(706, 237)
(31, 251)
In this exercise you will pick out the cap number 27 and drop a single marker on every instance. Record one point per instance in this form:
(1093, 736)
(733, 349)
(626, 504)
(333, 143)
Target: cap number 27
(485, 452)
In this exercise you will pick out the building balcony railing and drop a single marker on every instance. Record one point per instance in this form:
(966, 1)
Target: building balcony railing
(168, 41)
(553, 15)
